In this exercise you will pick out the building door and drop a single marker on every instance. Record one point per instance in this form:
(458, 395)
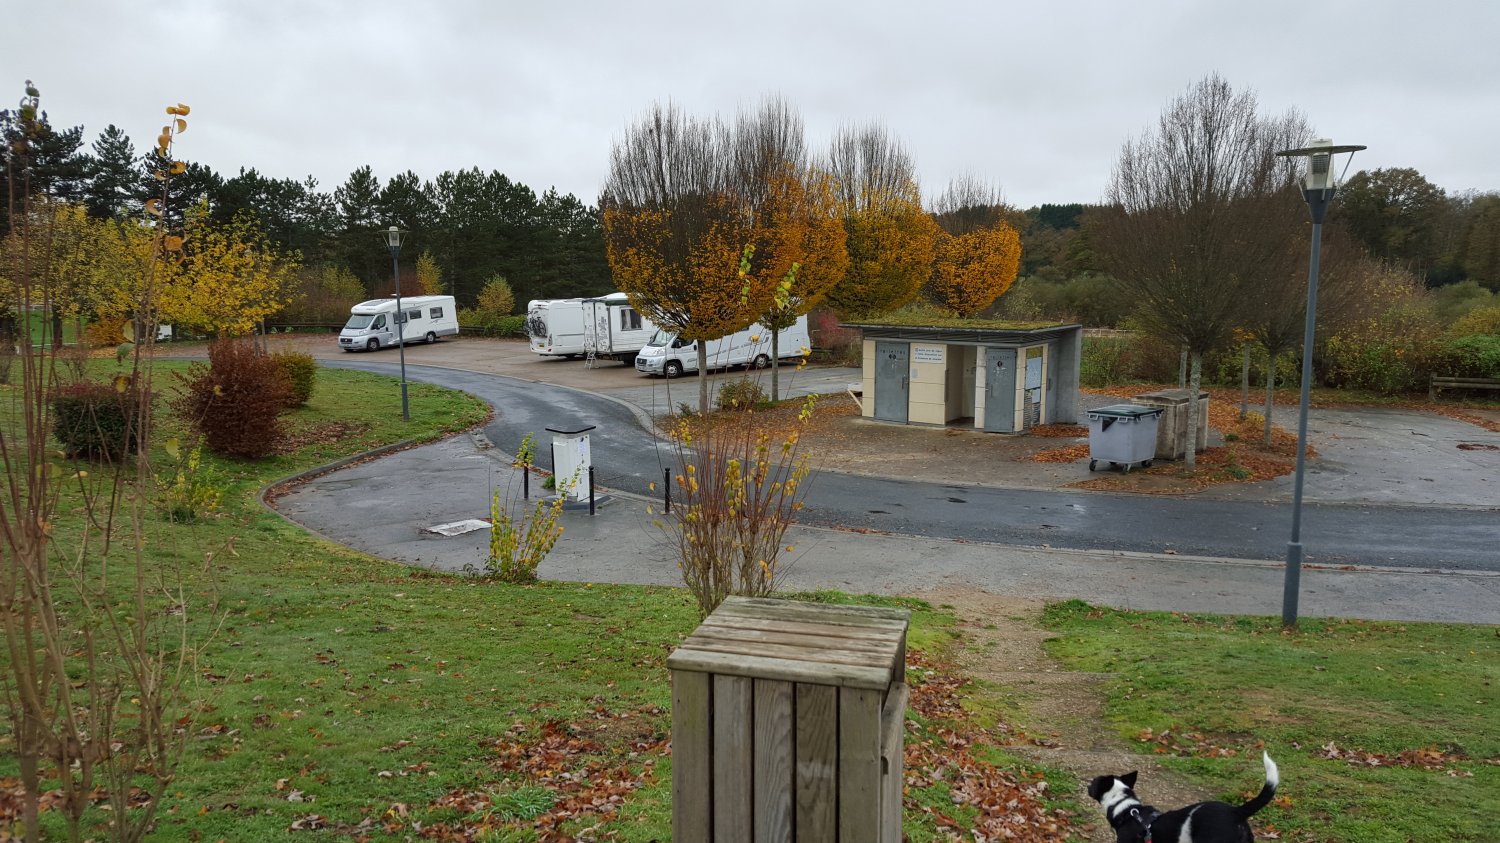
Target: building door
(1034, 383)
(1000, 390)
(892, 381)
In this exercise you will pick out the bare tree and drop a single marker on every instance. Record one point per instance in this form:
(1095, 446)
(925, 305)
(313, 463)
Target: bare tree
(970, 203)
(1196, 220)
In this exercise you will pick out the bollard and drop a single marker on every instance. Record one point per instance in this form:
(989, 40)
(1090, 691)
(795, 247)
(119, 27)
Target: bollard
(666, 485)
(591, 490)
(526, 482)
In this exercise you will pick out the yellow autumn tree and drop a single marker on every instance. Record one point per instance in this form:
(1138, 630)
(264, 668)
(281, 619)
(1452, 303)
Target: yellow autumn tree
(497, 298)
(674, 232)
(229, 279)
(973, 269)
(429, 275)
(891, 239)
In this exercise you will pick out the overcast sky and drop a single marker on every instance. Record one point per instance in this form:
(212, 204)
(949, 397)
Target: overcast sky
(1036, 97)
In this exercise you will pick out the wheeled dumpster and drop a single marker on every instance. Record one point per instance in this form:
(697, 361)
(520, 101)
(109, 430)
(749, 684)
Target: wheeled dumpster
(1123, 434)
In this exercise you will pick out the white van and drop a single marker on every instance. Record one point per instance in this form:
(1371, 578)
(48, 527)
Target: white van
(667, 354)
(614, 329)
(372, 324)
(555, 327)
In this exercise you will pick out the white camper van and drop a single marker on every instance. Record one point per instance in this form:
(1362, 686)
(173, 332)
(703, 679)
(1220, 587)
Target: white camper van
(667, 354)
(555, 327)
(614, 329)
(372, 324)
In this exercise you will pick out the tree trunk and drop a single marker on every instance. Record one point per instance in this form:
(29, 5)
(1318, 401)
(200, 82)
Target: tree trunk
(1244, 381)
(1270, 394)
(702, 377)
(1195, 380)
(775, 366)
(1182, 367)
(57, 330)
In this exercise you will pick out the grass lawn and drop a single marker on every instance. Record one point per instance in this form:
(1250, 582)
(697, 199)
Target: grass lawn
(350, 698)
(1383, 732)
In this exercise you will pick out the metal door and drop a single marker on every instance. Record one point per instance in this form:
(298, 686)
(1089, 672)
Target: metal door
(892, 381)
(1000, 390)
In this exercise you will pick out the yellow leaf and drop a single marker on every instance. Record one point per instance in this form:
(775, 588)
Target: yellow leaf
(181, 125)
(153, 207)
(171, 447)
(160, 176)
(179, 167)
(121, 382)
(174, 243)
(183, 109)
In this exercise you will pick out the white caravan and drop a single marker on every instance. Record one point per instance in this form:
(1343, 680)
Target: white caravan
(372, 324)
(667, 354)
(613, 328)
(555, 326)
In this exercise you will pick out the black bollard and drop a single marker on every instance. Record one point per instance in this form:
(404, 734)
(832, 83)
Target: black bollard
(591, 490)
(666, 487)
(525, 482)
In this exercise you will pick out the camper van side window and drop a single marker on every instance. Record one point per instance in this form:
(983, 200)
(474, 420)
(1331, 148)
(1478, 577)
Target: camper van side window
(435, 312)
(414, 314)
(629, 320)
(379, 323)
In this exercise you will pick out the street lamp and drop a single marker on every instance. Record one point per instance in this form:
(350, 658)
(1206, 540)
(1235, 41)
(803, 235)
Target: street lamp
(393, 238)
(1318, 188)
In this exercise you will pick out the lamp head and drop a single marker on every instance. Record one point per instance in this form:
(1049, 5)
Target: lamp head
(1320, 174)
(393, 237)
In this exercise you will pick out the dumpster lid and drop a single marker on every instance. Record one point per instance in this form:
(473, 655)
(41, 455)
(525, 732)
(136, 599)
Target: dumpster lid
(1125, 411)
(848, 646)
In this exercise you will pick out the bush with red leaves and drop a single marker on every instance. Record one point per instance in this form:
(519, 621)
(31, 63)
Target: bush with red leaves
(235, 402)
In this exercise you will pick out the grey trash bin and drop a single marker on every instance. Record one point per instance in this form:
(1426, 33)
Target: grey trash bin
(1123, 434)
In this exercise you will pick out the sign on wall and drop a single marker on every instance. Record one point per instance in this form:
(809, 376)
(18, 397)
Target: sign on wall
(928, 353)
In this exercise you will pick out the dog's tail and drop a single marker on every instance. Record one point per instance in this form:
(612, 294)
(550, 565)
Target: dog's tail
(1267, 793)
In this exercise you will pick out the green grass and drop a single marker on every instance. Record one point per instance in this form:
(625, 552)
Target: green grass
(1380, 688)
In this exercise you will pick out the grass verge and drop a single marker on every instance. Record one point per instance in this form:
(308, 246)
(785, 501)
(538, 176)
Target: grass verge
(1383, 731)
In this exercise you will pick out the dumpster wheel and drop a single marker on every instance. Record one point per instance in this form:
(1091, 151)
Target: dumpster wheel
(1092, 463)
(1146, 464)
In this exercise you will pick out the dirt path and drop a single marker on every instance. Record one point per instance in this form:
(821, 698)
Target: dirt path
(1002, 641)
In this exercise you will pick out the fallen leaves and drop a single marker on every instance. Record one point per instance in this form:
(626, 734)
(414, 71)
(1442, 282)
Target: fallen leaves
(1427, 758)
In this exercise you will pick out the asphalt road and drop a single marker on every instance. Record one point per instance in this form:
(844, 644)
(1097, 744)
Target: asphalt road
(629, 459)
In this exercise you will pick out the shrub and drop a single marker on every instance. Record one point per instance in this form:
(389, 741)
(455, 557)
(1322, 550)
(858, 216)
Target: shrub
(96, 421)
(236, 401)
(105, 333)
(1475, 356)
(194, 489)
(484, 324)
(742, 394)
(1484, 320)
(300, 371)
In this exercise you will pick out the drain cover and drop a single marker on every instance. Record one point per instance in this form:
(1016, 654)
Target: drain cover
(458, 528)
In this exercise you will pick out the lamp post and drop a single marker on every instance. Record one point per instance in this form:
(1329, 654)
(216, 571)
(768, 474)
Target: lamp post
(1318, 187)
(393, 238)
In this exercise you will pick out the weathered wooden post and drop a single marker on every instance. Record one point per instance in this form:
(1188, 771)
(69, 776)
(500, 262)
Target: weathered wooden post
(788, 722)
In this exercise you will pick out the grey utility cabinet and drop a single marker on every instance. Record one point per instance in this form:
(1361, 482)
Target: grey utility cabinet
(1123, 434)
(788, 722)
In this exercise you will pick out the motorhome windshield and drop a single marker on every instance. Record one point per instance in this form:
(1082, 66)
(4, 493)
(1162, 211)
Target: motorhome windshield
(359, 321)
(662, 338)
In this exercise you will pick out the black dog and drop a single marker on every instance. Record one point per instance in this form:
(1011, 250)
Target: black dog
(1205, 822)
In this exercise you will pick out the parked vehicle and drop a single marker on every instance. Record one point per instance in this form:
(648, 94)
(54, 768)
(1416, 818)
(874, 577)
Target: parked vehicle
(614, 329)
(555, 327)
(670, 355)
(372, 324)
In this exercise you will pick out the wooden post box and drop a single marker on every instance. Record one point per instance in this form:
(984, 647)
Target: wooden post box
(788, 721)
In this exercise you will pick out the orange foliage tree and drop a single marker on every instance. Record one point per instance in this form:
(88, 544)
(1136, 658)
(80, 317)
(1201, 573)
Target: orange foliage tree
(674, 232)
(975, 268)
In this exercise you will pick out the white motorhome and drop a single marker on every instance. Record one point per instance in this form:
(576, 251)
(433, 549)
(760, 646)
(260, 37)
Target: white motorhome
(667, 354)
(555, 327)
(372, 324)
(614, 329)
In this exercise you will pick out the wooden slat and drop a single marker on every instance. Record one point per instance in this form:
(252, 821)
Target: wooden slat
(817, 763)
(691, 791)
(845, 637)
(774, 761)
(739, 664)
(892, 766)
(815, 612)
(869, 611)
(733, 764)
(804, 635)
(714, 644)
(859, 765)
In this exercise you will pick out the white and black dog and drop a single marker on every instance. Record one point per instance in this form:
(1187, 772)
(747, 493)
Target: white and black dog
(1205, 822)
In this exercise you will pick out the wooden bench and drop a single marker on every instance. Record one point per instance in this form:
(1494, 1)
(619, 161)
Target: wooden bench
(1441, 383)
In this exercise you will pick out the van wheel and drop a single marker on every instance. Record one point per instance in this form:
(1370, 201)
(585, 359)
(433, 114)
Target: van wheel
(761, 362)
(431, 337)
(673, 369)
(372, 345)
